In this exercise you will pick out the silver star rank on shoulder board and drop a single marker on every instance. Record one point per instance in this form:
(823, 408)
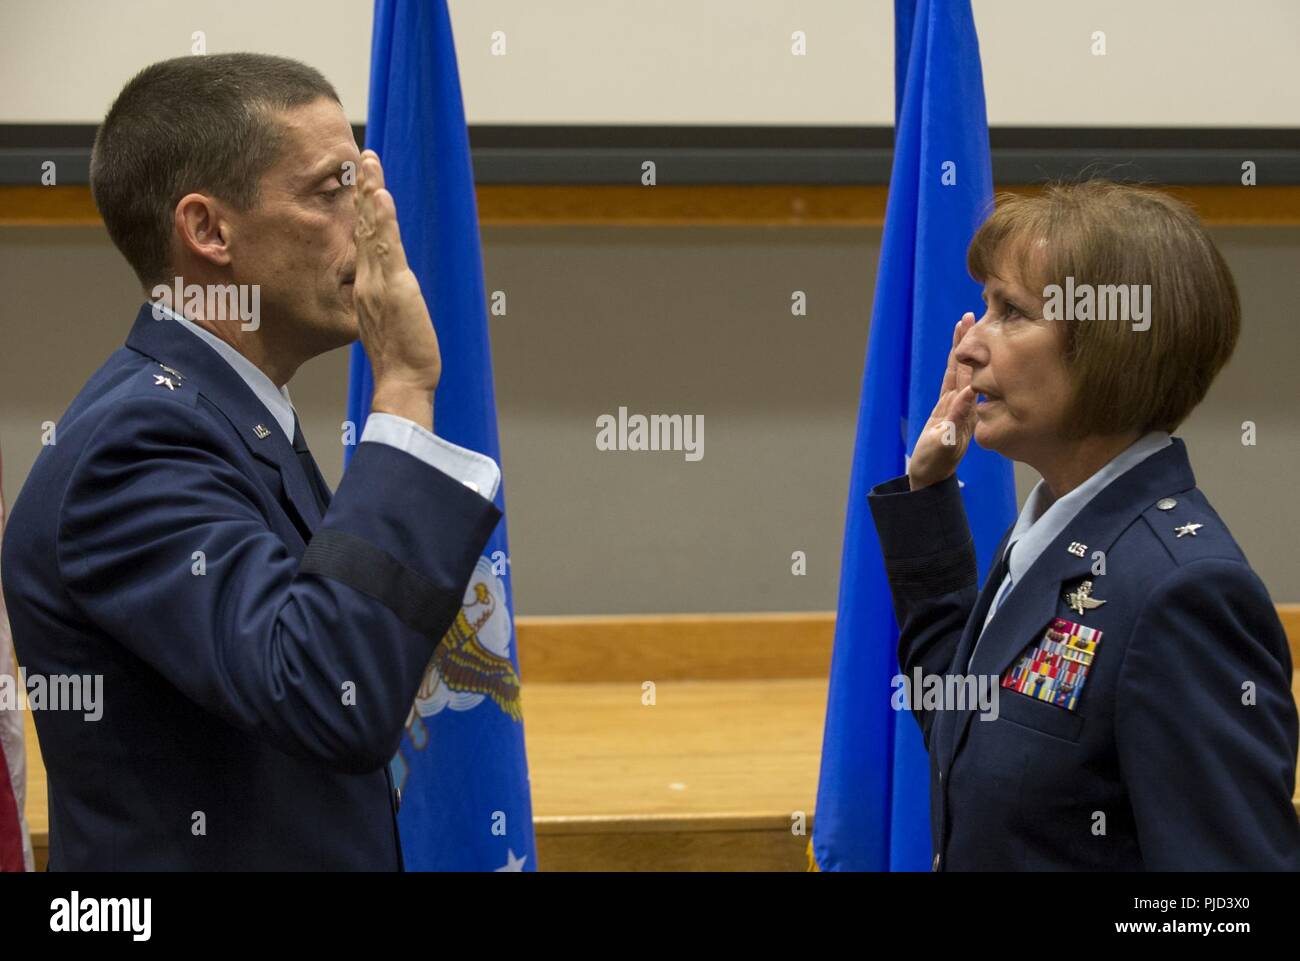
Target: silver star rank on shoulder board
(1081, 599)
(1187, 529)
(162, 380)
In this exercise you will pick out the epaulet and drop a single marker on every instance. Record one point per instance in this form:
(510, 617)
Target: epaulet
(1189, 528)
(162, 381)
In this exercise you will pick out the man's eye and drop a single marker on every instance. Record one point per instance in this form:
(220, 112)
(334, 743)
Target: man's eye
(1011, 310)
(334, 194)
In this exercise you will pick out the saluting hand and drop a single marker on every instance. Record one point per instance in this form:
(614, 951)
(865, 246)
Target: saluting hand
(947, 433)
(392, 316)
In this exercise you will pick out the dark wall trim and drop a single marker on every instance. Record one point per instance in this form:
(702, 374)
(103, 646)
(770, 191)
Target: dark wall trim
(777, 155)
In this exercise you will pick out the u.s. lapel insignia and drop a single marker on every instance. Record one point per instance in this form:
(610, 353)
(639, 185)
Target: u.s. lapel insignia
(1187, 529)
(162, 380)
(1081, 599)
(261, 431)
(1077, 549)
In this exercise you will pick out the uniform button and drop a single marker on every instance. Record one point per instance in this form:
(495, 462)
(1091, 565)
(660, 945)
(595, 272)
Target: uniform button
(1166, 504)
(935, 865)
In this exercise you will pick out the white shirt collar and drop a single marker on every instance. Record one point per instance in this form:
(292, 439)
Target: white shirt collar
(1042, 519)
(275, 400)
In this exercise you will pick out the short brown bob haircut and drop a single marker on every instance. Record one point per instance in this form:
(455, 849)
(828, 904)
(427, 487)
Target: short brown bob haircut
(1102, 233)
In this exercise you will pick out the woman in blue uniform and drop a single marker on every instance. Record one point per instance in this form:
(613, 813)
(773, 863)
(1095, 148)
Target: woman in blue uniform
(1144, 715)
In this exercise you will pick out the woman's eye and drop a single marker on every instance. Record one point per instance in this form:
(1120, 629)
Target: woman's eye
(1011, 310)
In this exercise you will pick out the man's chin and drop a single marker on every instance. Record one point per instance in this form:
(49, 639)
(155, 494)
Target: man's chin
(340, 331)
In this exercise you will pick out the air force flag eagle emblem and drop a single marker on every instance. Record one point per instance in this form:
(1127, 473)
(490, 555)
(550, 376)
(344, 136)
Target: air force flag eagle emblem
(472, 663)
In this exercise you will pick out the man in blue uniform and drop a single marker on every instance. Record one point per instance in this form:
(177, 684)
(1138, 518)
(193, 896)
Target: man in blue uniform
(260, 641)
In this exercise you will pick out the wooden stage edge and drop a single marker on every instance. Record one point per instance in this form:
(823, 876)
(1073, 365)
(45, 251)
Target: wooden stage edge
(658, 647)
(759, 205)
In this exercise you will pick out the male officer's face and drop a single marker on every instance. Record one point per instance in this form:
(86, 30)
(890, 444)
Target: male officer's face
(297, 242)
(1018, 369)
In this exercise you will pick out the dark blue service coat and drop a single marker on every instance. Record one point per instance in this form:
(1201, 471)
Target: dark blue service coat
(1179, 751)
(260, 644)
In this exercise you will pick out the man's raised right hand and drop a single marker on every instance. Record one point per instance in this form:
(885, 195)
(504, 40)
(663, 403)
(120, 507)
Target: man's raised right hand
(393, 318)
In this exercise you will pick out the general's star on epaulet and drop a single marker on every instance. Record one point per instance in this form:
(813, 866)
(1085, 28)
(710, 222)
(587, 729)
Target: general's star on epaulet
(162, 380)
(1081, 599)
(1187, 529)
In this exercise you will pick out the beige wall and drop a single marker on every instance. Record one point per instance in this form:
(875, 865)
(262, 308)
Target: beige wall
(675, 321)
(1167, 62)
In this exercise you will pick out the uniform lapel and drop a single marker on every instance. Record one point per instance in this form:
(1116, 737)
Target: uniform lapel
(948, 726)
(165, 341)
(1037, 598)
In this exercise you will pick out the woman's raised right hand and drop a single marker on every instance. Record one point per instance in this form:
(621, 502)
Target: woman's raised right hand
(947, 433)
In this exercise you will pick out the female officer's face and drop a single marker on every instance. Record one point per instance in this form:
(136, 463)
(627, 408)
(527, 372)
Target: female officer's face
(1018, 369)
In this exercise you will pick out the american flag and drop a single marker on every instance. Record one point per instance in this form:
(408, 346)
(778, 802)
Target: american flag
(15, 843)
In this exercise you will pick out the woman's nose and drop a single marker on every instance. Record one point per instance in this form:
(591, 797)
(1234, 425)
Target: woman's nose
(972, 351)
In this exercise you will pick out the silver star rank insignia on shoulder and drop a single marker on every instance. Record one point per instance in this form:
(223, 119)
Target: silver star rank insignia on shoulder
(162, 380)
(1187, 529)
(1081, 599)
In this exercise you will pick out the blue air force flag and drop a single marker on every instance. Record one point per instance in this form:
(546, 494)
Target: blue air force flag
(873, 797)
(461, 766)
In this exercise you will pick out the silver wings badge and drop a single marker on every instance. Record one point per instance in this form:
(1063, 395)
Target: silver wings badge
(1081, 600)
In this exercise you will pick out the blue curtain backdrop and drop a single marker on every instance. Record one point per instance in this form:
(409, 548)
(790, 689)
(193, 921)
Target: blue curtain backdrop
(873, 796)
(461, 767)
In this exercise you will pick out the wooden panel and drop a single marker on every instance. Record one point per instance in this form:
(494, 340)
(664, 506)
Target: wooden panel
(668, 206)
(701, 646)
(38, 799)
(25, 206)
(1290, 614)
(662, 647)
(671, 844)
(733, 748)
(766, 205)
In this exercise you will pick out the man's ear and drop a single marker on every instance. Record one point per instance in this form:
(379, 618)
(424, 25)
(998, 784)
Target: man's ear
(202, 230)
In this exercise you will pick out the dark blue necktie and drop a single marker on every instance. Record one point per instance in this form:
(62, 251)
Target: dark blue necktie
(314, 478)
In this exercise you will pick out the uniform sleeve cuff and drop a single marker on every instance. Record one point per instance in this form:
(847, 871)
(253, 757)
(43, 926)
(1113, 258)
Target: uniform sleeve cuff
(919, 523)
(476, 471)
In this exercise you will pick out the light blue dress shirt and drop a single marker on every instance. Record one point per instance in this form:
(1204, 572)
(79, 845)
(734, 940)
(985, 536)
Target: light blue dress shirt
(1042, 519)
(476, 471)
